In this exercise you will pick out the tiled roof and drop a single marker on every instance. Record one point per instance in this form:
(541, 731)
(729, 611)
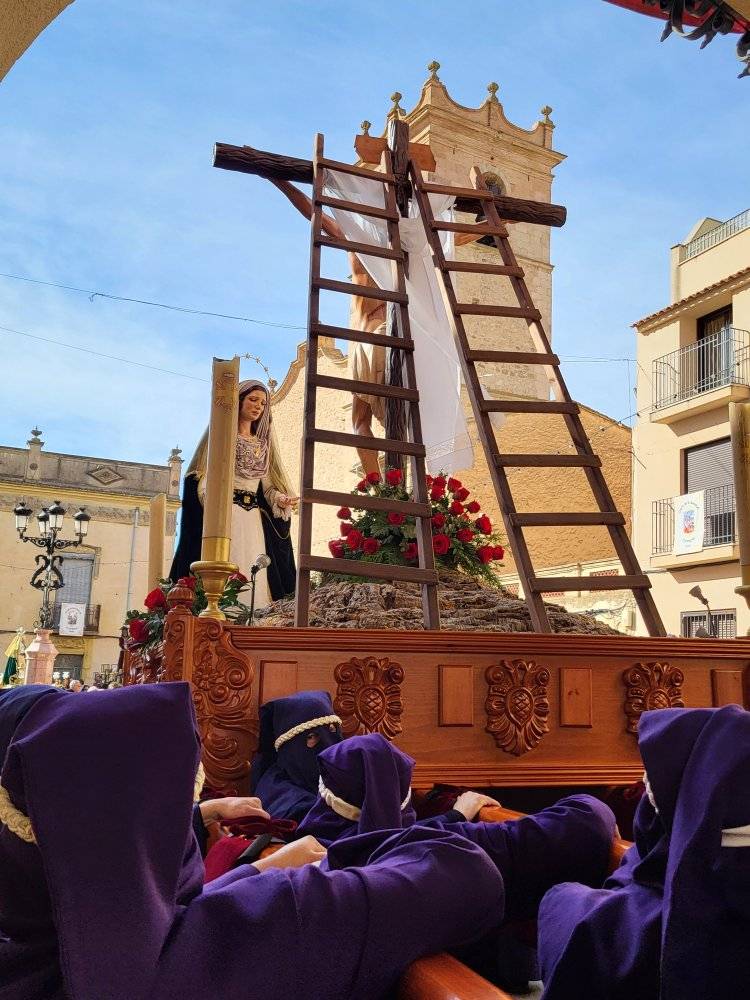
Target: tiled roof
(675, 306)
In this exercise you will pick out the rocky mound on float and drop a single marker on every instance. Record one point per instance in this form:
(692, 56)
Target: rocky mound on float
(465, 606)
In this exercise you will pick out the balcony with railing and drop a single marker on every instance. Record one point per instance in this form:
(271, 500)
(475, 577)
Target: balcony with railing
(91, 620)
(718, 361)
(719, 520)
(715, 236)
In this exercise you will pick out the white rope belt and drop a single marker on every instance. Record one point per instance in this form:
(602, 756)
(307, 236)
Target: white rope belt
(649, 793)
(345, 809)
(303, 727)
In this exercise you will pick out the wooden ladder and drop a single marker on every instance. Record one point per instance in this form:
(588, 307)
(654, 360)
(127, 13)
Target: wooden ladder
(425, 574)
(584, 458)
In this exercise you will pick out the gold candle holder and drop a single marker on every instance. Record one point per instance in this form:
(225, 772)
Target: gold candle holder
(214, 567)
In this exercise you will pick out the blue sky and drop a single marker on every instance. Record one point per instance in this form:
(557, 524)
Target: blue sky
(106, 129)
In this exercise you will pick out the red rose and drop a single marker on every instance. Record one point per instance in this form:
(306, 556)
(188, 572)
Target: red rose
(344, 513)
(345, 527)
(336, 548)
(438, 482)
(461, 494)
(373, 477)
(187, 581)
(428, 481)
(396, 519)
(237, 578)
(438, 520)
(473, 507)
(362, 485)
(155, 600)
(498, 552)
(483, 524)
(453, 485)
(370, 546)
(456, 508)
(411, 552)
(486, 553)
(354, 540)
(440, 544)
(465, 535)
(436, 494)
(394, 477)
(138, 630)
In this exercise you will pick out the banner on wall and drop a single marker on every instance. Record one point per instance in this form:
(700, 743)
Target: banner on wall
(689, 517)
(72, 619)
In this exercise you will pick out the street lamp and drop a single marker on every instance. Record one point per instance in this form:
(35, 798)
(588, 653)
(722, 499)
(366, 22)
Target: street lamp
(47, 576)
(702, 633)
(262, 562)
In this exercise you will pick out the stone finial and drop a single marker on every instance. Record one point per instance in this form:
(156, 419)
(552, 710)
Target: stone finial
(272, 386)
(432, 69)
(175, 453)
(396, 111)
(365, 126)
(547, 111)
(492, 89)
(35, 438)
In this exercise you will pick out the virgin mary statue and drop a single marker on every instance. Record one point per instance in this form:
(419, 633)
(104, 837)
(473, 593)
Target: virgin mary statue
(262, 502)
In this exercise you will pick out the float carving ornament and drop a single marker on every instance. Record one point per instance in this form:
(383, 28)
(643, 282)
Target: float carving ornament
(517, 705)
(368, 696)
(650, 686)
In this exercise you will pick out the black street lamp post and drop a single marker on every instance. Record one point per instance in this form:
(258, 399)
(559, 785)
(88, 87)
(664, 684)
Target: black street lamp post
(47, 576)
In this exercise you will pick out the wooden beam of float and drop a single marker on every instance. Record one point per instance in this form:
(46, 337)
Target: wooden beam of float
(157, 530)
(214, 567)
(274, 167)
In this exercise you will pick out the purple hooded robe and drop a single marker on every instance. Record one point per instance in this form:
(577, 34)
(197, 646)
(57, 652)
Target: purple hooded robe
(285, 778)
(110, 894)
(673, 922)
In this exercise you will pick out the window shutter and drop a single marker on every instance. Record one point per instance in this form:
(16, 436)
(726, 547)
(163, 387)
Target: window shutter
(708, 466)
(77, 571)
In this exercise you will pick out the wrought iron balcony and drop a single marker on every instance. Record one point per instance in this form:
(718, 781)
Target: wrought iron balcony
(715, 236)
(91, 621)
(721, 359)
(718, 520)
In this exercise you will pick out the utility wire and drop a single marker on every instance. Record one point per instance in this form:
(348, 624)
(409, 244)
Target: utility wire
(147, 302)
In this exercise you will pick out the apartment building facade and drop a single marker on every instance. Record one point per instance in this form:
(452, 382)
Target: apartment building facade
(693, 360)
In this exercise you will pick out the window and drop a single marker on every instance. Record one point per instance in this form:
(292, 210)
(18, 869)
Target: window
(77, 570)
(708, 468)
(69, 663)
(715, 350)
(721, 625)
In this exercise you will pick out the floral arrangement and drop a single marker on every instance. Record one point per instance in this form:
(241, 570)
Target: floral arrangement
(462, 536)
(146, 628)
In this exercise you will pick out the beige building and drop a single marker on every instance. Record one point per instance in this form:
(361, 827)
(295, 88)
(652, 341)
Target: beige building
(693, 360)
(521, 163)
(108, 572)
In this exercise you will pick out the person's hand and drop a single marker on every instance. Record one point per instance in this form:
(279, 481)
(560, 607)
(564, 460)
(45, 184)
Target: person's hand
(305, 851)
(469, 803)
(232, 807)
(283, 501)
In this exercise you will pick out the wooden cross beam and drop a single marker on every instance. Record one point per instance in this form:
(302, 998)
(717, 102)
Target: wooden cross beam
(274, 166)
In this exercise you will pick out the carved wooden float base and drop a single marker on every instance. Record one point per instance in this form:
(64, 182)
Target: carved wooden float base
(480, 709)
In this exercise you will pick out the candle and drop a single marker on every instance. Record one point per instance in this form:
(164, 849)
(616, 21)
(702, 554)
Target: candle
(157, 530)
(222, 437)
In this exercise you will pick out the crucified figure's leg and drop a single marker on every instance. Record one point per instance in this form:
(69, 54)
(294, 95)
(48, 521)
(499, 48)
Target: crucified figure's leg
(362, 424)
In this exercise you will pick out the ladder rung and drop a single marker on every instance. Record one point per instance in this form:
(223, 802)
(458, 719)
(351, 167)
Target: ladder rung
(364, 291)
(526, 406)
(478, 309)
(590, 519)
(550, 584)
(514, 357)
(365, 249)
(481, 229)
(362, 337)
(366, 388)
(367, 443)
(358, 567)
(520, 461)
(349, 168)
(354, 206)
(473, 194)
(365, 502)
(475, 267)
